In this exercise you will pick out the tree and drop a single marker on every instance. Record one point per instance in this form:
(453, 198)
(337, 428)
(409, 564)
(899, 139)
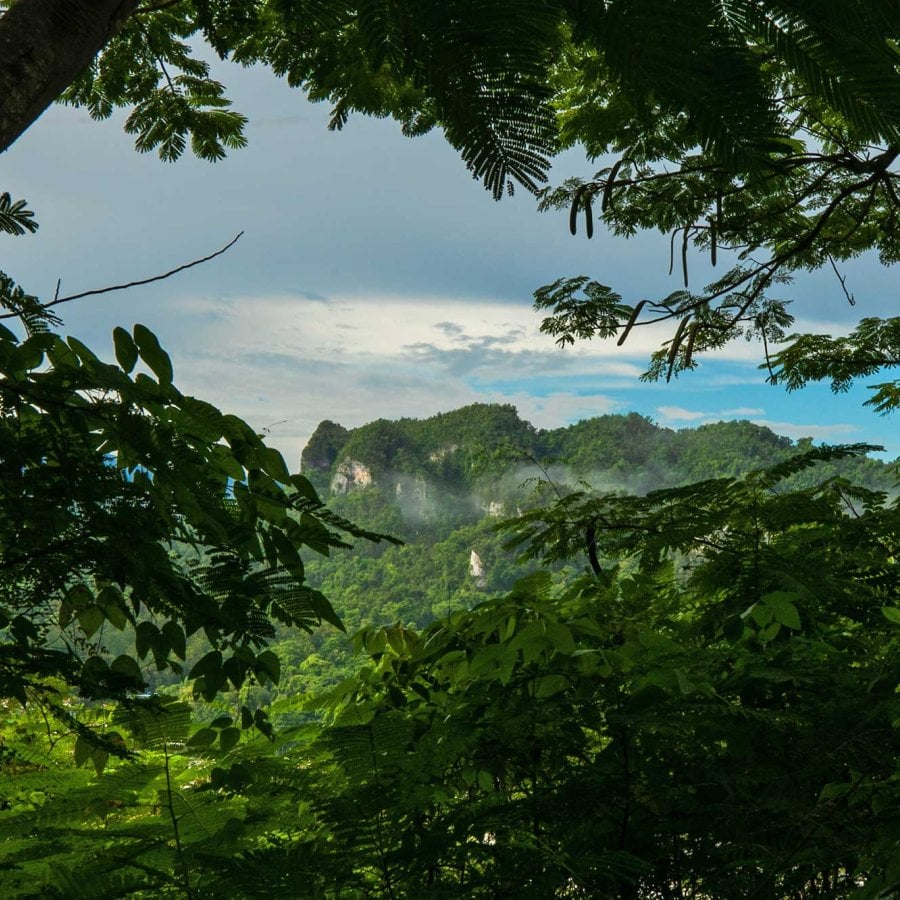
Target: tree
(723, 727)
(726, 729)
(129, 505)
(773, 140)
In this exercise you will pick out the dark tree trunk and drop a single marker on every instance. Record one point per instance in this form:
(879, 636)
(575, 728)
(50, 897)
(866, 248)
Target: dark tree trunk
(44, 46)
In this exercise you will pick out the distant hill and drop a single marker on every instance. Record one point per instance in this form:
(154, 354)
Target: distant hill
(442, 484)
(475, 459)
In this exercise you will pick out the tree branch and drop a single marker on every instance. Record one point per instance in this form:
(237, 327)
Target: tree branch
(44, 46)
(121, 287)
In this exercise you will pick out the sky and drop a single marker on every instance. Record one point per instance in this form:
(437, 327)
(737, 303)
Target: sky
(376, 279)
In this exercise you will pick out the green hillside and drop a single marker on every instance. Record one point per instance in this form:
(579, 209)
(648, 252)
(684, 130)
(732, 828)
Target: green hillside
(443, 485)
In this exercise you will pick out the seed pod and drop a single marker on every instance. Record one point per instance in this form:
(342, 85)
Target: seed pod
(607, 188)
(673, 350)
(573, 212)
(689, 347)
(713, 240)
(573, 215)
(684, 250)
(631, 322)
(588, 216)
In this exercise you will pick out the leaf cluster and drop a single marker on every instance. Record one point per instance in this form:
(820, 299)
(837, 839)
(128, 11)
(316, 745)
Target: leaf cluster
(108, 473)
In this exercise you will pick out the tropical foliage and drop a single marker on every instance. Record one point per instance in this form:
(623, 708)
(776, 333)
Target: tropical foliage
(709, 713)
(692, 692)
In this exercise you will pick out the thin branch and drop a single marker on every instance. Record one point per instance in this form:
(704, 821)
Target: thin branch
(168, 77)
(131, 284)
(843, 280)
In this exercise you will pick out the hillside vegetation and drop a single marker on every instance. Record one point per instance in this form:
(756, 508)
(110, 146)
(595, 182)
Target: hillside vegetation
(444, 484)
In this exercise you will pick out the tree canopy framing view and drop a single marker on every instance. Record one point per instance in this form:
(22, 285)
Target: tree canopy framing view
(681, 682)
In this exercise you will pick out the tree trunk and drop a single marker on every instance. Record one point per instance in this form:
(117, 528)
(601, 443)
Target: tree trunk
(44, 46)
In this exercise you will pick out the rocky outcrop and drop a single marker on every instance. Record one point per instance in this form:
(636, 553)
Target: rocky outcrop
(350, 475)
(443, 453)
(476, 570)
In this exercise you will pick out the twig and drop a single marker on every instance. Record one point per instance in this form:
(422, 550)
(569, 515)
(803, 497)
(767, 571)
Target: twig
(121, 287)
(843, 280)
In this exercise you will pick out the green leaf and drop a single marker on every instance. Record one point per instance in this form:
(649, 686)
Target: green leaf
(783, 609)
(891, 613)
(762, 613)
(228, 738)
(146, 636)
(205, 737)
(268, 666)
(111, 602)
(210, 664)
(153, 354)
(126, 349)
(90, 619)
(127, 666)
(174, 635)
(549, 685)
(83, 751)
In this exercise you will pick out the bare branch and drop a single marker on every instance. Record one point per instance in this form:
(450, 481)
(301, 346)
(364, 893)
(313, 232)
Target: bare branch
(843, 280)
(121, 287)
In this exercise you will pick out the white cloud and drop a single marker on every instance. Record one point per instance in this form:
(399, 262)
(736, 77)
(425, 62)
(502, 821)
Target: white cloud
(819, 432)
(287, 362)
(561, 408)
(680, 414)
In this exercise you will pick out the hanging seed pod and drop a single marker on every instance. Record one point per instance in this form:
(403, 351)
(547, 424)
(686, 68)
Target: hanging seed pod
(689, 346)
(573, 212)
(607, 188)
(713, 240)
(631, 323)
(673, 350)
(588, 216)
(684, 250)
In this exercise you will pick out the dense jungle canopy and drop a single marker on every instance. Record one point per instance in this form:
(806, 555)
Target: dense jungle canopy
(691, 691)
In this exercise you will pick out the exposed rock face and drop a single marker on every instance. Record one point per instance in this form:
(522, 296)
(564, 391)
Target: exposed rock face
(443, 453)
(414, 497)
(476, 569)
(495, 509)
(349, 476)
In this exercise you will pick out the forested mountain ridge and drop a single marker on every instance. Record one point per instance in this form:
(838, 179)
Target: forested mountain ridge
(443, 484)
(476, 458)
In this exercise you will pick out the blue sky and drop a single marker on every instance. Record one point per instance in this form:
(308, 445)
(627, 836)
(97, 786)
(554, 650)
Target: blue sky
(375, 278)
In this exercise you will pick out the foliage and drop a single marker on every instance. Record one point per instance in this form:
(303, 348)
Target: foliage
(725, 730)
(773, 142)
(873, 345)
(709, 712)
(709, 709)
(104, 473)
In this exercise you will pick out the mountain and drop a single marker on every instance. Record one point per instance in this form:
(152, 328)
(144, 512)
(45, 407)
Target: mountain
(443, 483)
(475, 459)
